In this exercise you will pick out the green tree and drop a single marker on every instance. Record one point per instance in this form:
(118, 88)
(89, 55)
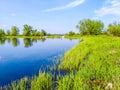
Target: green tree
(71, 33)
(27, 30)
(14, 31)
(2, 33)
(91, 27)
(44, 32)
(40, 34)
(114, 29)
(33, 32)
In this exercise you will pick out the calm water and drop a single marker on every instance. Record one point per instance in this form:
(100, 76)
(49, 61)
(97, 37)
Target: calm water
(25, 57)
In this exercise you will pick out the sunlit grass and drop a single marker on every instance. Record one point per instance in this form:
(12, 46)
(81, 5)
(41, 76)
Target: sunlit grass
(42, 82)
(97, 61)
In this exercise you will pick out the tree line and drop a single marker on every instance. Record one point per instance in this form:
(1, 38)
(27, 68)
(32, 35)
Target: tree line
(27, 31)
(85, 27)
(96, 27)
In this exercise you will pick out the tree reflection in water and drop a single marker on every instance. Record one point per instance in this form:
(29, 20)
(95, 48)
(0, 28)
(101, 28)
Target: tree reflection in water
(15, 42)
(28, 42)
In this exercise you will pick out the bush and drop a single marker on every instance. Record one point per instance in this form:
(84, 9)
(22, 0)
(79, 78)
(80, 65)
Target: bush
(71, 33)
(90, 27)
(114, 29)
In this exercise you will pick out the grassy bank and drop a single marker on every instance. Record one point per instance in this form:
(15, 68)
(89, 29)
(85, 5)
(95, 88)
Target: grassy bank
(94, 64)
(54, 36)
(73, 36)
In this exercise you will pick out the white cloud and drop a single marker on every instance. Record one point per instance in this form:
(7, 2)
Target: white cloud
(115, 2)
(13, 14)
(69, 5)
(111, 7)
(5, 25)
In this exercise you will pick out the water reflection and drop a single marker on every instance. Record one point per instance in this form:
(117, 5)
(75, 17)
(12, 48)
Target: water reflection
(15, 42)
(2, 41)
(29, 56)
(28, 42)
(8, 40)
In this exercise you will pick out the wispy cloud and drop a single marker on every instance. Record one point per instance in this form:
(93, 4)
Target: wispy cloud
(5, 25)
(111, 7)
(69, 5)
(13, 14)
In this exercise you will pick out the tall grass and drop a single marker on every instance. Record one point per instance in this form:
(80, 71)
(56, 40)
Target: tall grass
(42, 82)
(97, 61)
(23, 84)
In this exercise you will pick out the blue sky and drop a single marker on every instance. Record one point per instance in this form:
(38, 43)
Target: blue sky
(56, 16)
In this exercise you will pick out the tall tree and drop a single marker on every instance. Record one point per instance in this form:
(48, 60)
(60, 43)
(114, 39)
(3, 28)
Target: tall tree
(91, 27)
(2, 33)
(27, 30)
(14, 31)
(44, 32)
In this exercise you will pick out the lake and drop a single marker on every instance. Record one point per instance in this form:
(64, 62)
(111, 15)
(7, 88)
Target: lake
(25, 57)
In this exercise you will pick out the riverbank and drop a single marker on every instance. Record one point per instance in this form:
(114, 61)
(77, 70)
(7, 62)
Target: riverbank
(94, 64)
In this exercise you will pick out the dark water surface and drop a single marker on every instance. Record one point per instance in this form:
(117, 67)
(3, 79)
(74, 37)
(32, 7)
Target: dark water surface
(25, 57)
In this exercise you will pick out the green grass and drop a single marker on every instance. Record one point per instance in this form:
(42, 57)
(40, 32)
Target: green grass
(54, 36)
(22, 84)
(42, 82)
(94, 64)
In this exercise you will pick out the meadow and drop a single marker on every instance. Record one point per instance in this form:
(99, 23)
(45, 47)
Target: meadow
(94, 64)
